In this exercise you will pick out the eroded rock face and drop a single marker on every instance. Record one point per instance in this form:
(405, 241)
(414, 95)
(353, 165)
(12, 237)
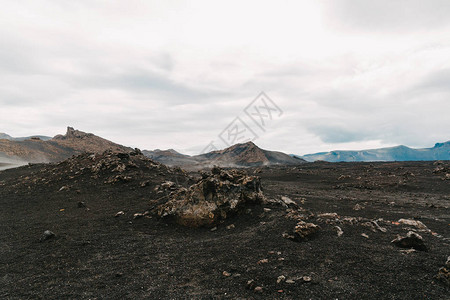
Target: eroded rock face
(212, 198)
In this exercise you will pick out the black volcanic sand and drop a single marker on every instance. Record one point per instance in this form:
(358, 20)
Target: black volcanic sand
(98, 256)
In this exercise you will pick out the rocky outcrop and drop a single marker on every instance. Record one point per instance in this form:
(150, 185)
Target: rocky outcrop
(214, 197)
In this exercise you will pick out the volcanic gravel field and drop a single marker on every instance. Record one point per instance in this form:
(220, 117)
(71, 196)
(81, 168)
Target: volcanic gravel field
(99, 254)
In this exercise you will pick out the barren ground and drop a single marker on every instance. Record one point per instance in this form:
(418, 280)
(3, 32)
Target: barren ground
(98, 256)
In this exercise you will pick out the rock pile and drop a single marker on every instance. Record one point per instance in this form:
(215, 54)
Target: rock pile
(214, 197)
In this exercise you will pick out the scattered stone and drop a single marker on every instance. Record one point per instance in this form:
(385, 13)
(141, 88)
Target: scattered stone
(444, 273)
(251, 284)
(231, 226)
(281, 278)
(226, 274)
(263, 261)
(358, 207)
(328, 216)
(364, 235)
(339, 230)
(120, 213)
(81, 204)
(258, 289)
(378, 227)
(408, 251)
(411, 240)
(305, 230)
(290, 281)
(47, 235)
(267, 209)
(214, 228)
(307, 279)
(64, 188)
(138, 216)
(236, 275)
(287, 202)
(414, 223)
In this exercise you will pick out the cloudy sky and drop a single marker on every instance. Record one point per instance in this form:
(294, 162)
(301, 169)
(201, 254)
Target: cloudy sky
(174, 74)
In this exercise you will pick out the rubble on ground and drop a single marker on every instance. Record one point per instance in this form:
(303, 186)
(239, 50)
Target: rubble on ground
(444, 273)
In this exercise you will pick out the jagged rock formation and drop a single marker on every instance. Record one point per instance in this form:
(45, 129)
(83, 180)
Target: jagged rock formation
(215, 197)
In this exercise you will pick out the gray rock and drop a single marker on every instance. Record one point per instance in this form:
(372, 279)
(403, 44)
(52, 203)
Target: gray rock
(411, 240)
(47, 235)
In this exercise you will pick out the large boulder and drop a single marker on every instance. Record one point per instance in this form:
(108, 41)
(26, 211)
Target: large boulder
(214, 197)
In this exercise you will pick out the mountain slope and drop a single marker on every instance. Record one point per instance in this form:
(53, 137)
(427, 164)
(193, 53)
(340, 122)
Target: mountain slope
(4, 136)
(440, 151)
(239, 155)
(58, 148)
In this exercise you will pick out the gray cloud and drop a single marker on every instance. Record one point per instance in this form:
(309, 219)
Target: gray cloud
(389, 16)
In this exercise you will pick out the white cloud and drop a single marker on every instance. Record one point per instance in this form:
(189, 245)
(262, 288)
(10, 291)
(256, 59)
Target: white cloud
(174, 74)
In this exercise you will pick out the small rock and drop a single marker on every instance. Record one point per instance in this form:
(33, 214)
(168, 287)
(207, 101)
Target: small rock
(47, 235)
(236, 275)
(411, 240)
(258, 289)
(408, 251)
(290, 281)
(226, 274)
(251, 284)
(263, 261)
(357, 207)
(340, 232)
(230, 226)
(305, 230)
(364, 235)
(64, 188)
(281, 278)
(81, 204)
(414, 223)
(328, 215)
(267, 209)
(213, 229)
(138, 215)
(306, 279)
(120, 213)
(288, 202)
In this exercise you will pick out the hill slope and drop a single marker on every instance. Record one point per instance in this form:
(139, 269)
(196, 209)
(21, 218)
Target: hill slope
(56, 149)
(239, 155)
(440, 151)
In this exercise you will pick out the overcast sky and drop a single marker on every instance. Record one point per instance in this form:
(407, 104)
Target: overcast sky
(174, 74)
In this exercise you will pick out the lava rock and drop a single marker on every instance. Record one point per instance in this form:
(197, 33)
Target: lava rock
(47, 235)
(303, 230)
(212, 199)
(411, 240)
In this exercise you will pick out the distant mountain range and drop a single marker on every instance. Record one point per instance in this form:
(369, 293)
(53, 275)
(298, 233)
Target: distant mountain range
(440, 151)
(19, 151)
(35, 149)
(4, 136)
(239, 155)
